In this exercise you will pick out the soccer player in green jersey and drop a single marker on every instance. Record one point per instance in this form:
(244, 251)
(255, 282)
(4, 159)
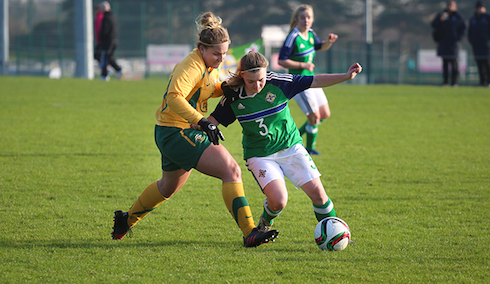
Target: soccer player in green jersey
(272, 146)
(297, 55)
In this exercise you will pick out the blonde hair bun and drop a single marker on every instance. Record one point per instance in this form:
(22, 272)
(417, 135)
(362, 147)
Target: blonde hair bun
(210, 31)
(208, 21)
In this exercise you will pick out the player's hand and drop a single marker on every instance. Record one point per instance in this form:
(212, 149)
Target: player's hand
(196, 127)
(308, 66)
(332, 38)
(214, 134)
(354, 69)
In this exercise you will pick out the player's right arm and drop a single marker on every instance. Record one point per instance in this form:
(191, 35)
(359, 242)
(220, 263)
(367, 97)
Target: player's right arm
(286, 52)
(291, 64)
(183, 81)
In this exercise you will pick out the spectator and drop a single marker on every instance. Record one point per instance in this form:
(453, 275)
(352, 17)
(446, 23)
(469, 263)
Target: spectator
(452, 27)
(99, 15)
(108, 41)
(479, 37)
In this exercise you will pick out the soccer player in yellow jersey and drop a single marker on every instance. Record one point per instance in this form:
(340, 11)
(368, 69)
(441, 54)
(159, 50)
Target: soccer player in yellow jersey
(192, 83)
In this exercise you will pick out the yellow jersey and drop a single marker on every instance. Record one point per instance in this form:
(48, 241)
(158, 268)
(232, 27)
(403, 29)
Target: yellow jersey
(190, 86)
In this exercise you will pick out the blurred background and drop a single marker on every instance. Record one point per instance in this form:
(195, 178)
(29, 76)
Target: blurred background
(42, 35)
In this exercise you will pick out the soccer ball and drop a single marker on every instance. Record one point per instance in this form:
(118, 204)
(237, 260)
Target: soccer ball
(332, 233)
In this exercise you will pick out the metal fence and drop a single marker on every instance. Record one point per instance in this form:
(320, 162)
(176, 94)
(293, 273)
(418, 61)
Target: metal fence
(42, 42)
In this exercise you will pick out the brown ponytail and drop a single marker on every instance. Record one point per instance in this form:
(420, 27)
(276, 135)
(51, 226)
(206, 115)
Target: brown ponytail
(250, 62)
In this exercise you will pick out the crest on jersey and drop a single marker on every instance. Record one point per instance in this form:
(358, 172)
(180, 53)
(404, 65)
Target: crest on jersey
(270, 97)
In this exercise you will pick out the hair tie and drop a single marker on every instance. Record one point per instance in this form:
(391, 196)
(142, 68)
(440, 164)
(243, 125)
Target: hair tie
(214, 44)
(253, 69)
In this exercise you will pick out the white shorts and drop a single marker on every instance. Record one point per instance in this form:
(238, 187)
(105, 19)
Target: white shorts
(295, 163)
(310, 100)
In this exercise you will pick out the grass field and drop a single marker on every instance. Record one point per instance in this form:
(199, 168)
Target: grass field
(408, 168)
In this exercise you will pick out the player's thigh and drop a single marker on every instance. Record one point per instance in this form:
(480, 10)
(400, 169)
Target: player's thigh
(264, 170)
(320, 97)
(323, 107)
(307, 102)
(310, 100)
(216, 161)
(325, 111)
(298, 166)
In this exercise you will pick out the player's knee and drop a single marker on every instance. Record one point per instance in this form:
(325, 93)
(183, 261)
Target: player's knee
(313, 120)
(325, 116)
(277, 204)
(234, 171)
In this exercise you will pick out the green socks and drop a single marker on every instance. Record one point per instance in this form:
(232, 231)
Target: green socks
(324, 211)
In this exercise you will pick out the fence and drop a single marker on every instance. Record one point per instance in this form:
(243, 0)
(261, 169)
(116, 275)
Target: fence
(42, 42)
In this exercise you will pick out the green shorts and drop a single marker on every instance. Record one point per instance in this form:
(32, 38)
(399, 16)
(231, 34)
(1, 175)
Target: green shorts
(180, 148)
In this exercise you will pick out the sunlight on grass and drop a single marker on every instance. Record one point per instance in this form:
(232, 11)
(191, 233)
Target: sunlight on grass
(406, 166)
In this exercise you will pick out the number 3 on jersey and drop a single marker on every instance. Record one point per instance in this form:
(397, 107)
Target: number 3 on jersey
(265, 130)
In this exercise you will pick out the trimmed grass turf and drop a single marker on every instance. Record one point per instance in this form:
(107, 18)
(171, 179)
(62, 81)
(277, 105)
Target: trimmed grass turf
(407, 167)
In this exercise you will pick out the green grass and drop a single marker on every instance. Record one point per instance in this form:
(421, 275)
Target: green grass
(408, 168)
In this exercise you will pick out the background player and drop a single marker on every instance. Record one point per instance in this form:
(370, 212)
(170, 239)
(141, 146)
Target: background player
(297, 55)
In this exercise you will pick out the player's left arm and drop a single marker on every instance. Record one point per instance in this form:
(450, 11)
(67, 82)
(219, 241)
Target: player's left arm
(223, 113)
(326, 80)
(326, 44)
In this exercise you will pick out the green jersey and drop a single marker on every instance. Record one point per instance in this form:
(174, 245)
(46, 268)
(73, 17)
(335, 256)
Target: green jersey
(300, 49)
(267, 125)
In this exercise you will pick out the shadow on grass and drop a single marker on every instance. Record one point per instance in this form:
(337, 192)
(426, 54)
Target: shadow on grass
(292, 247)
(57, 155)
(73, 244)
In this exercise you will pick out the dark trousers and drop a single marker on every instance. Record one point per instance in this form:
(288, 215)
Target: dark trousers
(454, 71)
(484, 71)
(106, 59)
(97, 51)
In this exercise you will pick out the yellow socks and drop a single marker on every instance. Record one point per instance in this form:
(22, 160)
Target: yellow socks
(233, 195)
(237, 204)
(148, 200)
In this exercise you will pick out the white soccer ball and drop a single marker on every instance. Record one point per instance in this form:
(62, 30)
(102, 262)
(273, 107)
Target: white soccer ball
(332, 233)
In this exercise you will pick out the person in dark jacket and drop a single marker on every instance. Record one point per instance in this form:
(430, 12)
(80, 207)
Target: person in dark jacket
(108, 42)
(453, 26)
(479, 37)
